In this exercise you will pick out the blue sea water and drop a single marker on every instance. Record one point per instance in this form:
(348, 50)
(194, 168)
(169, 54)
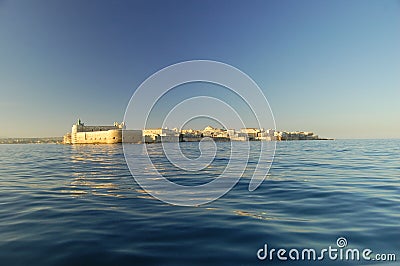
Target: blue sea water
(79, 205)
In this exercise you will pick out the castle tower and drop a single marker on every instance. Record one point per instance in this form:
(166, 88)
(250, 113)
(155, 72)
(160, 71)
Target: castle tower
(78, 127)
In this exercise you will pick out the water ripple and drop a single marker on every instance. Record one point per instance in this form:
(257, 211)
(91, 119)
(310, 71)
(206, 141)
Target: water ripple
(79, 204)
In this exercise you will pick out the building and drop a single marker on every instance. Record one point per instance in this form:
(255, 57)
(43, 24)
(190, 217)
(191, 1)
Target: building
(218, 134)
(191, 135)
(82, 134)
(209, 131)
(161, 135)
(252, 133)
(295, 135)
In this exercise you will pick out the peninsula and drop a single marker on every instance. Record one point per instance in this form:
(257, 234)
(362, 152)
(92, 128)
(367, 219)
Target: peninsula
(117, 133)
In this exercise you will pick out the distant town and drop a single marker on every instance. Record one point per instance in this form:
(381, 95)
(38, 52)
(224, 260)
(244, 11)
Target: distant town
(82, 134)
(117, 133)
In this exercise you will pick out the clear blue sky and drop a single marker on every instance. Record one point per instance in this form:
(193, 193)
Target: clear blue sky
(332, 67)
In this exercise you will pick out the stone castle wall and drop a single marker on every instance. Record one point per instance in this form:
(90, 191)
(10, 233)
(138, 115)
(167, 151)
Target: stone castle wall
(98, 137)
(81, 134)
(107, 137)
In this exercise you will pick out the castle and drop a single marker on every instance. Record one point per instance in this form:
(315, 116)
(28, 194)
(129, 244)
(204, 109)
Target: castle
(82, 134)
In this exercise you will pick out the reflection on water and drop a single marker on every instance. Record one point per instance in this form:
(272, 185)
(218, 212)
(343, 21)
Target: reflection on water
(99, 179)
(82, 185)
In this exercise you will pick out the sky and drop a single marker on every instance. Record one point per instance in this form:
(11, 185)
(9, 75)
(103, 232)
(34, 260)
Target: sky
(332, 67)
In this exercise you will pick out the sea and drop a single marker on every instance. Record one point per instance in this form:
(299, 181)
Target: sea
(80, 205)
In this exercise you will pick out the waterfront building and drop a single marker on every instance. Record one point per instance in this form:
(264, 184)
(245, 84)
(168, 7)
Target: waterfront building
(231, 133)
(160, 135)
(82, 134)
(210, 132)
(191, 135)
(252, 133)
